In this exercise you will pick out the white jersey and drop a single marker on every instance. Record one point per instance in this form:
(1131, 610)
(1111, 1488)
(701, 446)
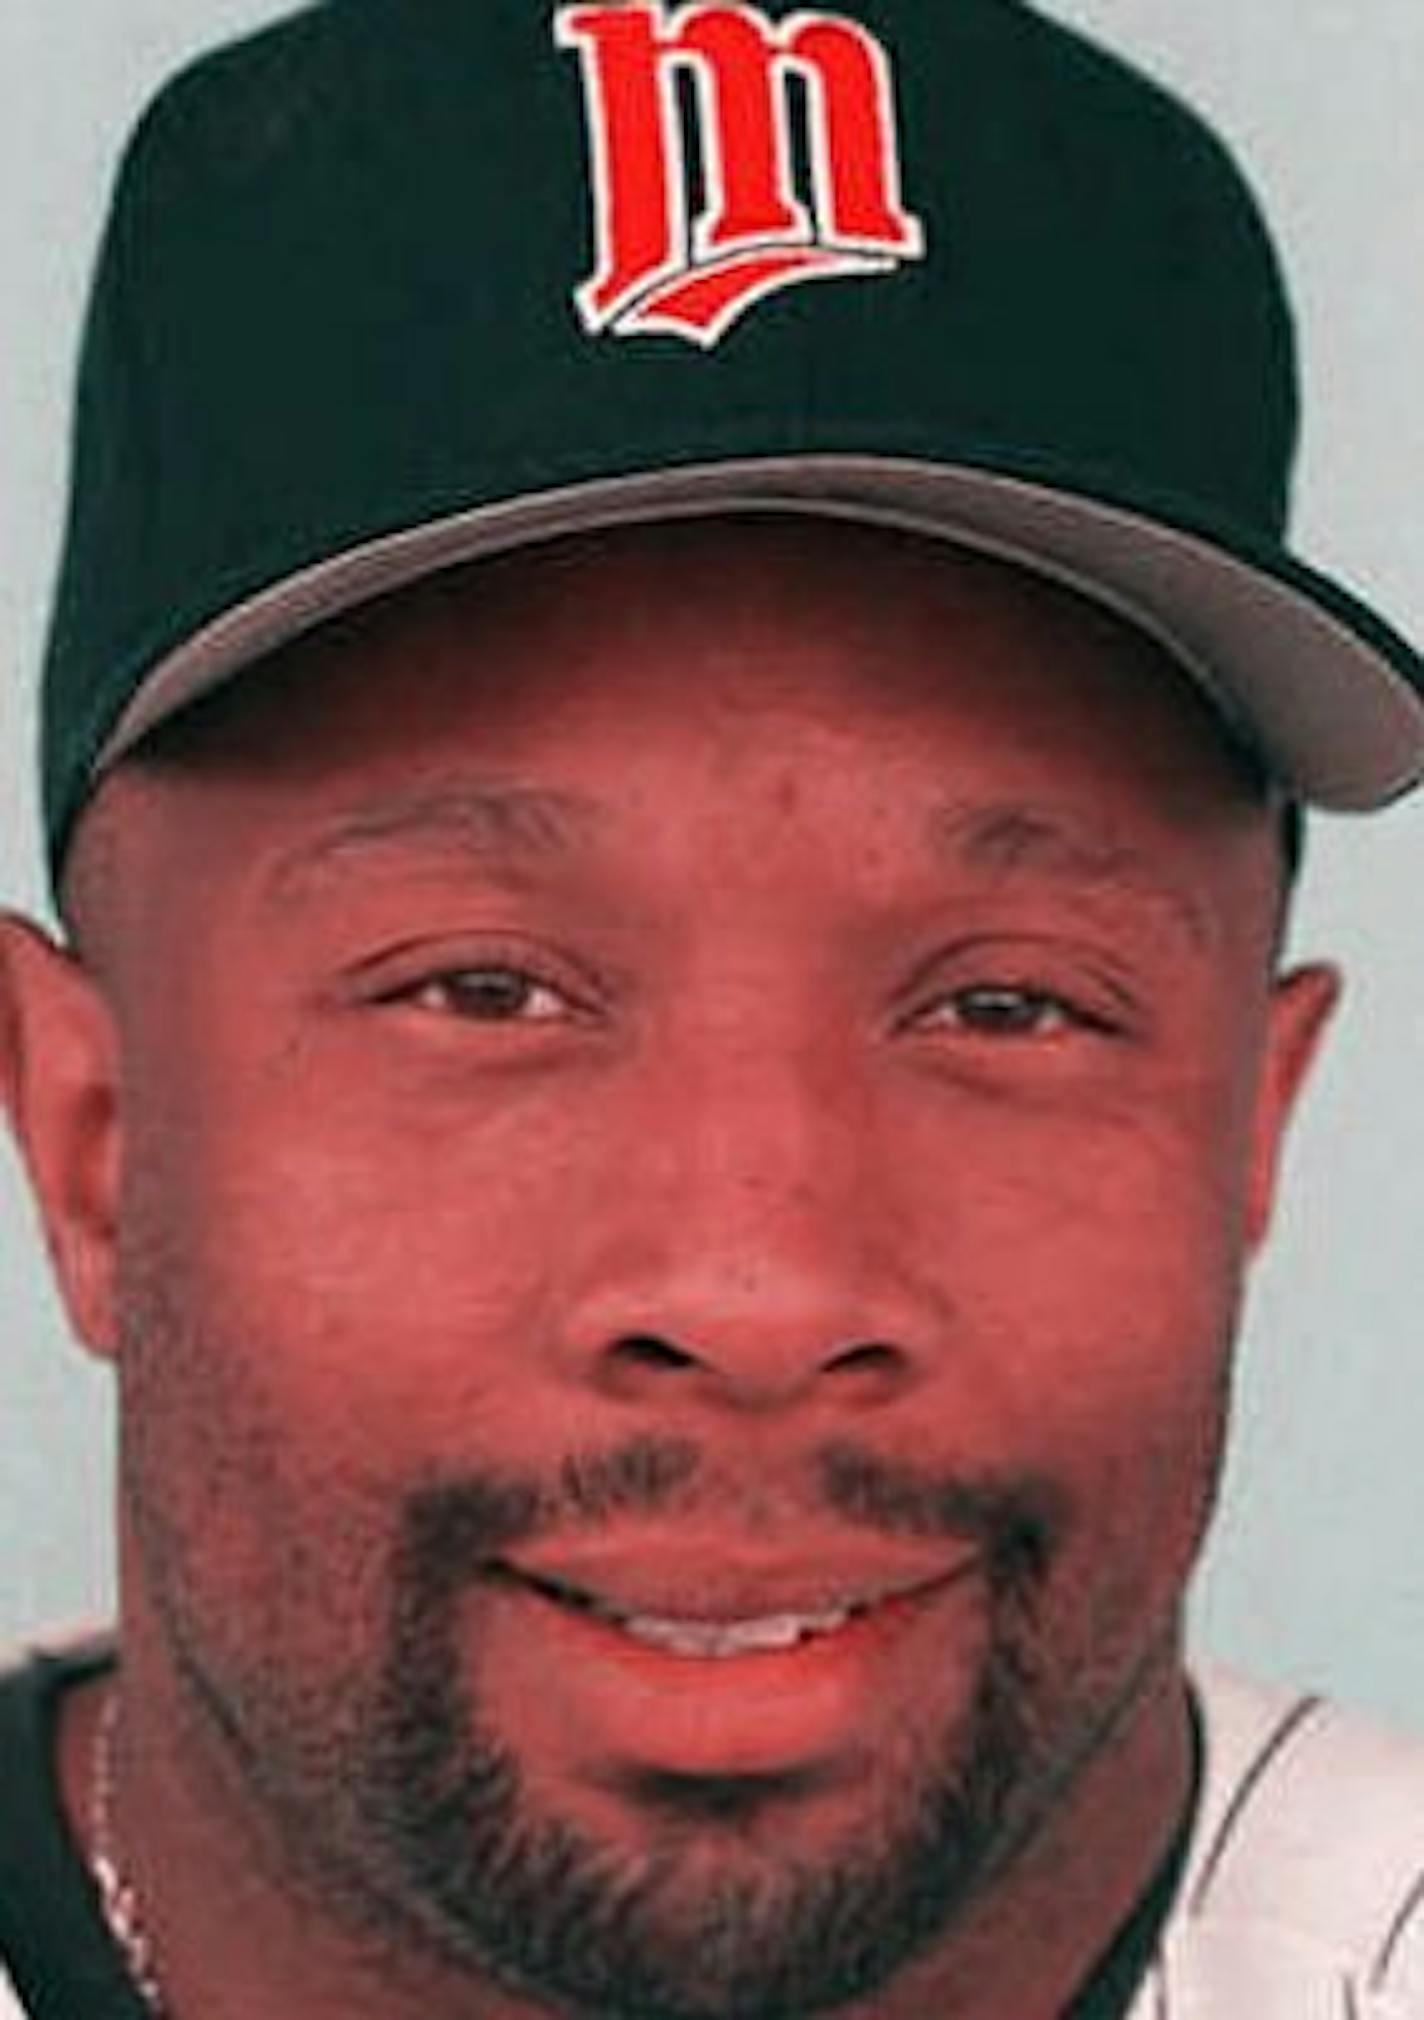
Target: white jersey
(1303, 1892)
(1303, 1897)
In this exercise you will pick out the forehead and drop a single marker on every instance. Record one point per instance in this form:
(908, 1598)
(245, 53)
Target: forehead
(867, 613)
(817, 645)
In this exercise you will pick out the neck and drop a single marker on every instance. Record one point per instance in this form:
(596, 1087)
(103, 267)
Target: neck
(238, 1933)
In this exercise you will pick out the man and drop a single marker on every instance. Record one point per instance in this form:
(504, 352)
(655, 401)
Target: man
(670, 1051)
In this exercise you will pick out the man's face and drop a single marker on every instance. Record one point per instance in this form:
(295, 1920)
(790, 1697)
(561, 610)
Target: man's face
(734, 1071)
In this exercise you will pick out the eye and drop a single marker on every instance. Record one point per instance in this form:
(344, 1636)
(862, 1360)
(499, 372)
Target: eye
(489, 995)
(1007, 1010)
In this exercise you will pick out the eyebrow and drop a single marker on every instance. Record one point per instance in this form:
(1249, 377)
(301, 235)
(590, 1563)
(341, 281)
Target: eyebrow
(1007, 837)
(508, 827)
(503, 825)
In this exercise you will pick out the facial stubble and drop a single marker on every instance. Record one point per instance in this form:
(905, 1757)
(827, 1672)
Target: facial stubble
(551, 1913)
(414, 1821)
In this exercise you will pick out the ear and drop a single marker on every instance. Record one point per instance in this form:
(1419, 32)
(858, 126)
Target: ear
(1301, 1005)
(58, 1086)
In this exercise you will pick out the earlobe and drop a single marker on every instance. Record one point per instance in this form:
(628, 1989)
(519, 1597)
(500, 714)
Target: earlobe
(1302, 1003)
(58, 1086)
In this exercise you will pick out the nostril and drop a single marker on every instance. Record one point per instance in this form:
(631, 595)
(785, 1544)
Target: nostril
(872, 1371)
(755, 1368)
(868, 1356)
(871, 1354)
(646, 1350)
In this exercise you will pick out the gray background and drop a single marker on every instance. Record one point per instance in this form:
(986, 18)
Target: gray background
(1316, 1573)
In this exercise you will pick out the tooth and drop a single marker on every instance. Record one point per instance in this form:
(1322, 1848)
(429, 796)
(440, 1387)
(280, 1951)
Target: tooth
(707, 1638)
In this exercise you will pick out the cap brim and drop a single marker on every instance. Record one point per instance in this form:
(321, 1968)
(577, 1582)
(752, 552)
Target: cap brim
(1326, 692)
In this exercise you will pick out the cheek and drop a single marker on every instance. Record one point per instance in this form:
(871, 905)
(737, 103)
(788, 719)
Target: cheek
(1119, 1217)
(1093, 1268)
(379, 1269)
(319, 1313)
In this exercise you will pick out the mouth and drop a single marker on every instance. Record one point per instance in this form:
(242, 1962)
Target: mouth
(726, 1630)
(697, 1656)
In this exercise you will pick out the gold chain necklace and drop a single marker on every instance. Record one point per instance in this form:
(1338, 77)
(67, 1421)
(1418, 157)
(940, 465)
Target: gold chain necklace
(118, 1897)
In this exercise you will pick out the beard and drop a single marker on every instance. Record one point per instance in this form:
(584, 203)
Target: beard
(410, 1821)
(551, 1913)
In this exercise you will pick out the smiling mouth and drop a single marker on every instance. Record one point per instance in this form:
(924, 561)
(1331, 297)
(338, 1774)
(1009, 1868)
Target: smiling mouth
(771, 1633)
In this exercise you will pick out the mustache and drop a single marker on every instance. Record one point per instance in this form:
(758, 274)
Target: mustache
(451, 1528)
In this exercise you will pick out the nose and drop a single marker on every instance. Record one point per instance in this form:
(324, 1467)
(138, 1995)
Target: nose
(751, 1250)
(772, 1370)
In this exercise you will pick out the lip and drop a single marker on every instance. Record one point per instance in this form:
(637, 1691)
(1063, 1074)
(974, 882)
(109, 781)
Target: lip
(603, 1697)
(674, 1579)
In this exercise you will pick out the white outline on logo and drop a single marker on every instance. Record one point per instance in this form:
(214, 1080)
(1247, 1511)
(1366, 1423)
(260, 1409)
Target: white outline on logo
(813, 247)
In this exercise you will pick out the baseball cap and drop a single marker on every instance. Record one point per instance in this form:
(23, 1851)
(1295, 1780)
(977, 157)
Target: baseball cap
(394, 284)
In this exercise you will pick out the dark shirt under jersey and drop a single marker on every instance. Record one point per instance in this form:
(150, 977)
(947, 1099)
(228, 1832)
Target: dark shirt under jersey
(64, 1966)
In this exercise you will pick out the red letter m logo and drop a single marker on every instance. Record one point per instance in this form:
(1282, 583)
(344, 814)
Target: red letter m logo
(658, 268)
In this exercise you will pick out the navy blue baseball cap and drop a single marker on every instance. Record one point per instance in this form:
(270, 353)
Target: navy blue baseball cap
(395, 284)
